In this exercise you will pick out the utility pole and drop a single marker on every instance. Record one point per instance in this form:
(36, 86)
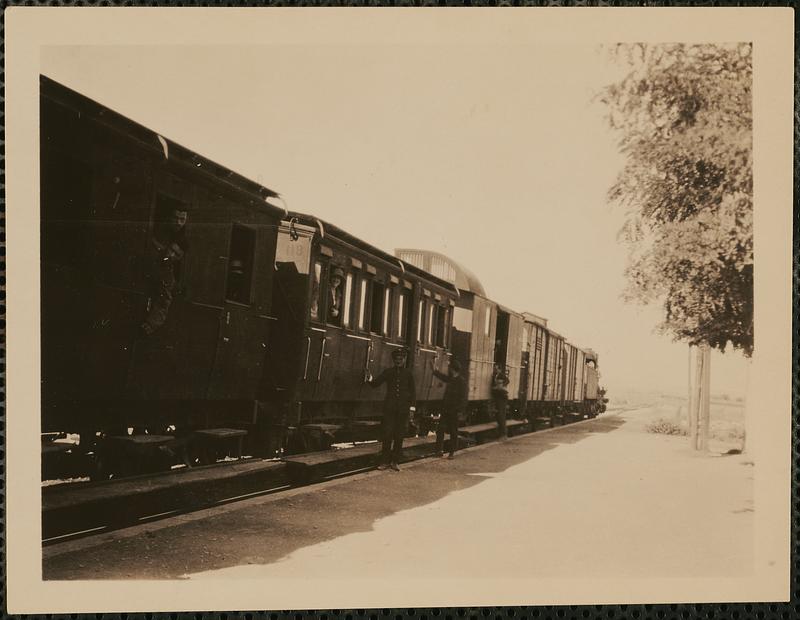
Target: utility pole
(706, 398)
(689, 404)
(694, 412)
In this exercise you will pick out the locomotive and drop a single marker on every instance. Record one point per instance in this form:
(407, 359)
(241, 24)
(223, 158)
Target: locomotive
(179, 297)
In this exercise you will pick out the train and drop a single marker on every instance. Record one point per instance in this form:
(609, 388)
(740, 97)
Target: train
(179, 298)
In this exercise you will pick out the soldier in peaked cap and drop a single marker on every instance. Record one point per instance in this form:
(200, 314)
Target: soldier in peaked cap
(399, 402)
(453, 404)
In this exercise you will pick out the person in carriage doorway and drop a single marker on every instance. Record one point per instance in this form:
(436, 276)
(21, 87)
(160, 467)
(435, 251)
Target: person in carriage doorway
(168, 248)
(401, 396)
(500, 398)
(453, 404)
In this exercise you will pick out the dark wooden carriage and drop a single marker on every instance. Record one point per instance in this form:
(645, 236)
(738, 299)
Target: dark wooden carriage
(330, 339)
(106, 185)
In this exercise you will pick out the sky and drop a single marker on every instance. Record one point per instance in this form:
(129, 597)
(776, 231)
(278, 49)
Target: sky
(496, 156)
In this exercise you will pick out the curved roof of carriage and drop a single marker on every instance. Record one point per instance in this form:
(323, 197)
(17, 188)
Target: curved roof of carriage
(437, 263)
(328, 228)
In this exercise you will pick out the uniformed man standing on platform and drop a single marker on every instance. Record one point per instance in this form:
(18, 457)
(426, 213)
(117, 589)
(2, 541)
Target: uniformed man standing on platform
(399, 402)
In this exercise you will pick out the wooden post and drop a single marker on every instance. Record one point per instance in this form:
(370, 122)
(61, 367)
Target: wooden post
(694, 413)
(706, 395)
(689, 403)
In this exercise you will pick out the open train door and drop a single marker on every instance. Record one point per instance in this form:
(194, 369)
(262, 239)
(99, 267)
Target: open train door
(288, 348)
(246, 320)
(525, 368)
(176, 361)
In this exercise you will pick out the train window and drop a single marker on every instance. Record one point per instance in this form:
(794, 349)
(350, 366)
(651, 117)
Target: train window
(169, 220)
(441, 326)
(362, 307)
(335, 295)
(420, 319)
(347, 317)
(377, 303)
(432, 312)
(240, 264)
(387, 302)
(316, 281)
(403, 316)
(488, 325)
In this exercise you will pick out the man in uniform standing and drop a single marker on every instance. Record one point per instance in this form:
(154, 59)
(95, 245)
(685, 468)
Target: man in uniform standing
(453, 404)
(398, 403)
(500, 383)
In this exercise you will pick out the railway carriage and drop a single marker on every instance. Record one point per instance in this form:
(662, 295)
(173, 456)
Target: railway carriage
(330, 338)
(178, 301)
(107, 185)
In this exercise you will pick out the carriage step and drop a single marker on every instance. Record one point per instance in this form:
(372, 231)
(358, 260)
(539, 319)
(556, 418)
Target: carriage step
(315, 466)
(213, 438)
(52, 448)
(488, 431)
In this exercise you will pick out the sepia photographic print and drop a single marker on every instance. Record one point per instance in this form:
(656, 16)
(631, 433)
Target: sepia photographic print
(357, 308)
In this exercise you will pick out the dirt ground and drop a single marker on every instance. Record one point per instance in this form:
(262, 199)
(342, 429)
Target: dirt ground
(597, 499)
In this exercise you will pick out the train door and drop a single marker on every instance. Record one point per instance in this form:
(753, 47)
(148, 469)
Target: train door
(288, 346)
(525, 366)
(334, 379)
(539, 350)
(513, 357)
(244, 322)
(316, 332)
(176, 360)
(501, 338)
(427, 384)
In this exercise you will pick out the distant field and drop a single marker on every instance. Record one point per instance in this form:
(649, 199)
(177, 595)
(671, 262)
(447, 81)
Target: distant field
(727, 415)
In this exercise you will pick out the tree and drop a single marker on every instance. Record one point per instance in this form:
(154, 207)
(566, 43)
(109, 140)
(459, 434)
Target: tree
(684, 117)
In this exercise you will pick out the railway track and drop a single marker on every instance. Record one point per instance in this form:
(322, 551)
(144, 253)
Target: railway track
(105, 507)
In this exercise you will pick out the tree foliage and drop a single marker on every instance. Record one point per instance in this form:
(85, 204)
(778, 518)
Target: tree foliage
(683, 114)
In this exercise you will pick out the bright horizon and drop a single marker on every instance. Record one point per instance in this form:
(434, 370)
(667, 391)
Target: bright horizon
(497, 161)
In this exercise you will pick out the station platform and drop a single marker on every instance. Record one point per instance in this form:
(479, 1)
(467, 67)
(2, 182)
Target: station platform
(75, 507)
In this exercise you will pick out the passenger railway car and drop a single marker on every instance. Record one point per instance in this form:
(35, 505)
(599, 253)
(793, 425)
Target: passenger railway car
(110, 190)
(342, 306)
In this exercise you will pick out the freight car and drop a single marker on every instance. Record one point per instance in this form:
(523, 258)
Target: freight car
(549, 378)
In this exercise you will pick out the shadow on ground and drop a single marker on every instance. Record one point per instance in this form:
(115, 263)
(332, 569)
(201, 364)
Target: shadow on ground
(265, 530)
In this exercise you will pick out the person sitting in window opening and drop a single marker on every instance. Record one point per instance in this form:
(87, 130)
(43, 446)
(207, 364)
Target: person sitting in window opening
(170, 227)
(169, 245)
(236, 282)
(335, 296)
